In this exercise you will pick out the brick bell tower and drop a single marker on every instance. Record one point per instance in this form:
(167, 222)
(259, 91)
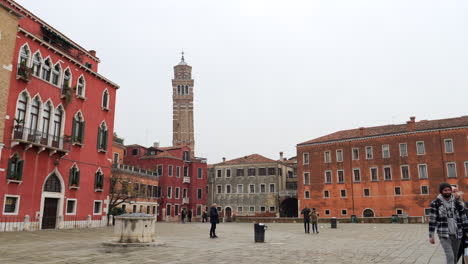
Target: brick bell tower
(182, 96)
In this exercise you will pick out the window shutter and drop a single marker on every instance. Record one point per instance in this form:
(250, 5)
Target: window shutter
(77, 178)
(101, 180)
(10, 167)
(99, 138)
(73, 130)
(82, 130)
(96, 180)
(70, 179)
(104, 144)
(19, 170)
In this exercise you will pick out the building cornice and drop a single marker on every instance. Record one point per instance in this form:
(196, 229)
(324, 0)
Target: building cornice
(83, 67)
(379, 136)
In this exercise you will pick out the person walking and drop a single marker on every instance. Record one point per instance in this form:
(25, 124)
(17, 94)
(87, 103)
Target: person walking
(214, 219)
(448, 217)
(314, 219)
(189, 215)
(205, 217)
(459, 198)
(182, 215)
(306, 213)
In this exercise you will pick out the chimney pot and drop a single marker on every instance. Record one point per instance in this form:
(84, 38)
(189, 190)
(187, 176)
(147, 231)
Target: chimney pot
(412, 118)
(224, 159)
(92, 52)
(281, 155)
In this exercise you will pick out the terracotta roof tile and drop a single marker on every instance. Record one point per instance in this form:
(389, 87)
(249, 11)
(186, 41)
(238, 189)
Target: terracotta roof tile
(254, 158)
(392, 129)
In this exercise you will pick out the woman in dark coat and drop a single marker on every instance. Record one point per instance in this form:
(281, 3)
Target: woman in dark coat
(214, 219)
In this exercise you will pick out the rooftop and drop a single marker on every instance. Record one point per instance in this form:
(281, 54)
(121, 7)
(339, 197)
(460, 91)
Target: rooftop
(251, 159)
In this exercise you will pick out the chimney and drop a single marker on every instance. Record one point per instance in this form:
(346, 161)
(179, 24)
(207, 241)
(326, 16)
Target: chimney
(224, 159)
(92, 52)
(156, 144)
(361, 131)
(281, 155)
(410, 124)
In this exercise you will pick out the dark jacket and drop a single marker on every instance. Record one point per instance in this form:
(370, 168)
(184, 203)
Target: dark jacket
(306, 213)
(189, 214)
(214, 217)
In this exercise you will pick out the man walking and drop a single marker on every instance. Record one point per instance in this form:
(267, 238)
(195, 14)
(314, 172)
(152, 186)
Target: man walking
(189, 215)
(314, 218)
(448, 218)
(182, 215)
(306, 213)
(214, 219)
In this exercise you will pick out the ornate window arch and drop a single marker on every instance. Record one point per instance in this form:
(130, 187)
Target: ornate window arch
(24, 56)
(46, 69)
(81, 87)
(102, 137)
(37, 64)
(78, 128)
(15, 168)
(53, 183)
(105, 99)
(57, 126)
(56, 74)
(99, 180)
(74, 180)
(67, 78)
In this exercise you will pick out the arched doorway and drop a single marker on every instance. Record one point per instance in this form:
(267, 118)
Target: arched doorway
(368, 213)
(52, 200)
(228, 214)
(288, 208)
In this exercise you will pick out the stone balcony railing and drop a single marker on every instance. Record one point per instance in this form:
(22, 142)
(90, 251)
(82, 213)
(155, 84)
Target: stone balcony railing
(186, 180)
(32, 137)
(136, 170)
(288, 193)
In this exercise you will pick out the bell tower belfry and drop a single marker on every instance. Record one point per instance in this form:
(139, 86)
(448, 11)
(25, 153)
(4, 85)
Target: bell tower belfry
(182, 97)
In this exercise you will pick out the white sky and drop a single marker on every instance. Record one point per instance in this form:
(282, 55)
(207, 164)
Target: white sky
(271, 74)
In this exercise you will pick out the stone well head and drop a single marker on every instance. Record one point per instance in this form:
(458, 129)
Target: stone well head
(134, 228)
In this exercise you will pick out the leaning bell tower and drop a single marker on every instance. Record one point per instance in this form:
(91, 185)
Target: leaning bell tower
(182, 97)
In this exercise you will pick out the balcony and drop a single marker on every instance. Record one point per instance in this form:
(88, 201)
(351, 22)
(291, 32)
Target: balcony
(134, 170)
(186, 180)
(31, 137)
(185, 200)
(24, 73)
(288, 193)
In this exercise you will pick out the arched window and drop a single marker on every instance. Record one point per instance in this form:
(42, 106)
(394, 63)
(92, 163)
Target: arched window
(34, 118)
(368, 213)
(46, 112)
(99, 180)
(178, 89)
(102, 137)
(46, 69)
(57, 128)
(66, 79)
(80, 87)
(74, 180)
(56, 72)
(24, 56)
(78, 128)
(105, 100)
(21, 109)
(53, 184)
(37, 62)
(15, 168)
(186, 89)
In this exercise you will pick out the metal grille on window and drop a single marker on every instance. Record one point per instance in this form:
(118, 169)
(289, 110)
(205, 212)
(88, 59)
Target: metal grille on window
(52, 184)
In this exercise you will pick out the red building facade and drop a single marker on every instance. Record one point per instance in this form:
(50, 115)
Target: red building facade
(55, 164)
(383, 171)
(182, 178)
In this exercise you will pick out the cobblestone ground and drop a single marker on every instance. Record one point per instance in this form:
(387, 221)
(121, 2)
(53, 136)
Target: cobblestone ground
(190, 243)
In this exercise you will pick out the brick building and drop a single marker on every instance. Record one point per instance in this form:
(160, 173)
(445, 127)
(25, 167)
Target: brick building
(182, 178)
(251, 186)
(385, 170)
(55, 165)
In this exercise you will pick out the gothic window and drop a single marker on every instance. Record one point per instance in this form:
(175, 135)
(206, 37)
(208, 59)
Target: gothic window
(99, 180)
(105, 100)
(24, 56)
(34, 115)
(46, 69)
(102, 138)
(178, 89)
(80, 87)
(66, 79)
(74, 176)
(21, 109)
(46, 123)
(57, 127)
(78, 128)
(15, 168)
(186, 89)
(56, 72)
(52, 184)
(36, 66)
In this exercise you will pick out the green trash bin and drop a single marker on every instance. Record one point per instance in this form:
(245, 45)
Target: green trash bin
(353, 219)
(394, 219)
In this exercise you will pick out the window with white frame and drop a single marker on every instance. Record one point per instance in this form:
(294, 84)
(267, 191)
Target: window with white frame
(327, 211)
(66, 79)
(272, 188)
(422, 170)
(355, 153)
(71, 206)
(328, 176)
(262, 209)
(374, 174)
(366, 192)
(385, 151)
(343, 193)
(240, 172)
(228, 188)
(97, 207)
(176, 209)
(403, 150)
(56, 73)
(240, 209)
(178, 172)
(219, 174)
(306, 178)
(251, 208)
(451, 170)
(78, 128)
(306, 194)
(37, 64)
(306, 157)
(251, 188)
(24, 56)
(177, 192)
(340, 176)
(218, 189)
(262, 188)
(369, 153)
(272, 209)
(387, 173)
(15, 168)
(169, 192)
(420, 148)
(448, 145)
(170, 170)
(327, 155)
(46, 70)
(397, 191)
(102, 137)
(240, 188)
(81, 87)
(11, 204)
(326, 194)
(339, 155)
(105, 100)
(424, 189)
(405, 172)
(228, 173)
(344, 212)
(357, 175)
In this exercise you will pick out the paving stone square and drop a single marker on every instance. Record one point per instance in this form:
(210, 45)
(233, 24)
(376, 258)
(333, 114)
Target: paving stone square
(190, 243)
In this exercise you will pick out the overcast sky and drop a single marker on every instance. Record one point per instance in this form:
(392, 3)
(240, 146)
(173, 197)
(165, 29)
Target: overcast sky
(271, 74)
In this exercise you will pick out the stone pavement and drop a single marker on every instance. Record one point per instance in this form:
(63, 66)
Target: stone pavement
(190, 243)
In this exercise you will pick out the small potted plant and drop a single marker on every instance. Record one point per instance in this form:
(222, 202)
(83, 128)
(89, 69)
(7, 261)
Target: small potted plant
(19, 123)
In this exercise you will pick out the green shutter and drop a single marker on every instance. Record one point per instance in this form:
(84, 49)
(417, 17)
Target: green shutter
(73, 130)
(96, 180)
(99, 138)
(19, 170)
(70, 179)
(10, 173)
(81, 132)
(77, 178)
(105, 140)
